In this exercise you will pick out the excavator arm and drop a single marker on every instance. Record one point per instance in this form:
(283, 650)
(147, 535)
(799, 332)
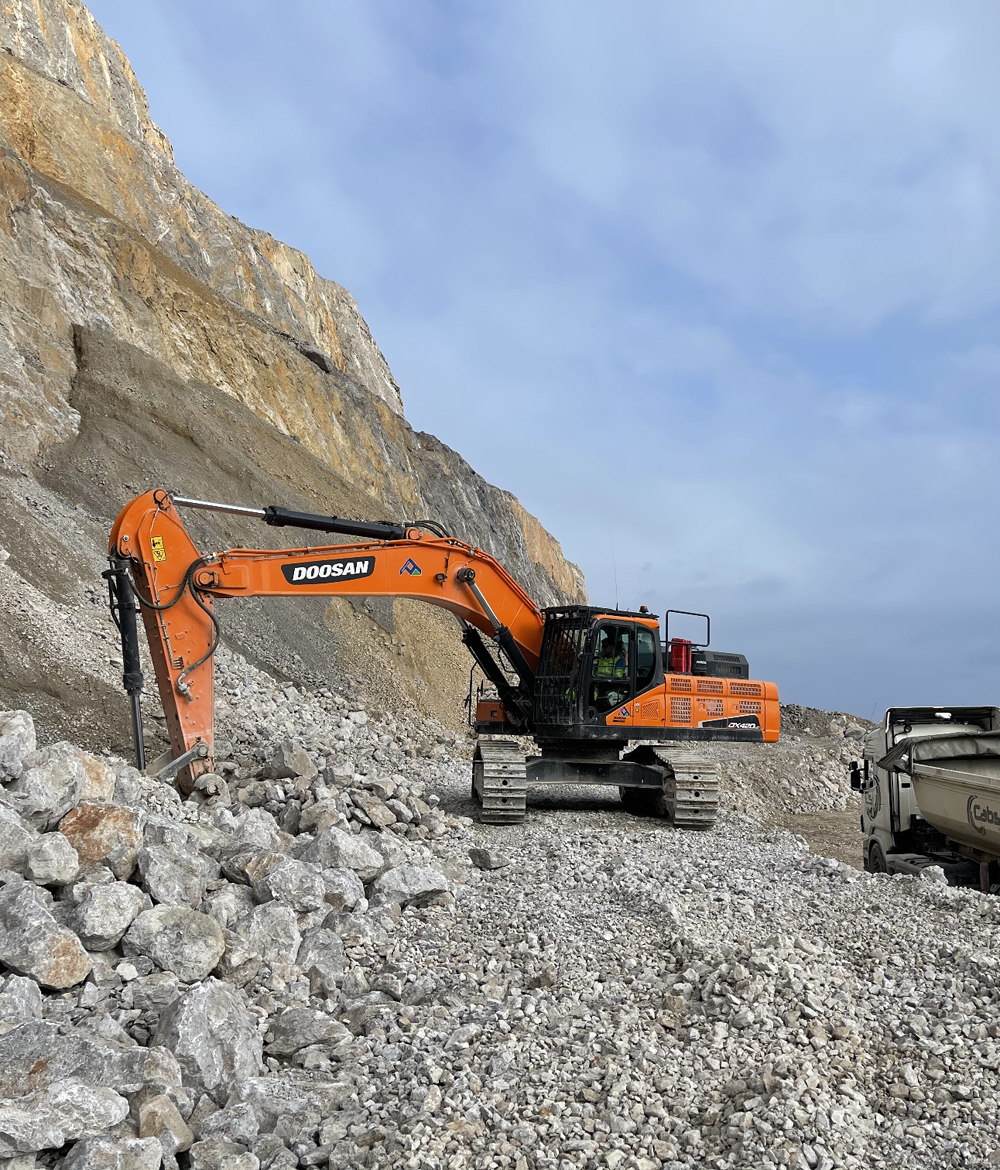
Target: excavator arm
(176, 586)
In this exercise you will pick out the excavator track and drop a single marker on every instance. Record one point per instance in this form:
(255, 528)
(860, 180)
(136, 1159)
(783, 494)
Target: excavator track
(499, 785)
(690, 789)
(689, 798)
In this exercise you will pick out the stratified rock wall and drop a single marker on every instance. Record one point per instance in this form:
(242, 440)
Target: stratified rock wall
(72, 110)
(110, 261)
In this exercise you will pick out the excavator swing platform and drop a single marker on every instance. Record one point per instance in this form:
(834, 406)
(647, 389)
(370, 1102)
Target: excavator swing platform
(606, 701)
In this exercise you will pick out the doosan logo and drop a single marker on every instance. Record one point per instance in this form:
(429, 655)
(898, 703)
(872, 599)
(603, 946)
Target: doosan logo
(317, 572)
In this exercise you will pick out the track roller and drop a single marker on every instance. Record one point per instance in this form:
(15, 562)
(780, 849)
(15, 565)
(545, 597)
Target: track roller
(498, 781)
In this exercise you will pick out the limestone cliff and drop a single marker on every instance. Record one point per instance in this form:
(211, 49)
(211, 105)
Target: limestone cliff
(146, 336)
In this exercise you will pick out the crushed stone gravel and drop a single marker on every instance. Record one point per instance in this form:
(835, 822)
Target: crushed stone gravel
(325, 961)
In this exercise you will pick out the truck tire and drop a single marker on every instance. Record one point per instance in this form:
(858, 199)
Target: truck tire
(875, 859)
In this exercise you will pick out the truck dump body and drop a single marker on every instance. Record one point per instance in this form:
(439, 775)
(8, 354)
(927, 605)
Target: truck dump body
(956, 783)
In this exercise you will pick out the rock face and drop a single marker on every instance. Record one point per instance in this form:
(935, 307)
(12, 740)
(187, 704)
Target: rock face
(146, 336)
(98, 128)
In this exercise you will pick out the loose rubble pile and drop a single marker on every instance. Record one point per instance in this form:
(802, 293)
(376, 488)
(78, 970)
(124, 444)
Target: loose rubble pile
(319, 959)
(805, 772)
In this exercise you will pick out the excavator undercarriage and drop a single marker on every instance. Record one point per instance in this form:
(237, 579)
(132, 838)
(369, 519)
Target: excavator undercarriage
(651, 781)
(596, 689)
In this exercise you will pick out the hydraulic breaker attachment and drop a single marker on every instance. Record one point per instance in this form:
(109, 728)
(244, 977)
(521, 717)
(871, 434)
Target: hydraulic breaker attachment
(121, 601)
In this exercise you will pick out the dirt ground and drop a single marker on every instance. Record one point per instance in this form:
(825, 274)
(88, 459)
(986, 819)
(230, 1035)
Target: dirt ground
(832, 834)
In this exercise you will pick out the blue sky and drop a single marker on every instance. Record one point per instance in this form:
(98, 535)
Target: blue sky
(713, 288)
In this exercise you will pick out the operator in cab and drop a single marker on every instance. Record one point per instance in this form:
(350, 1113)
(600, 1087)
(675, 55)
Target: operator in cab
(610, 665)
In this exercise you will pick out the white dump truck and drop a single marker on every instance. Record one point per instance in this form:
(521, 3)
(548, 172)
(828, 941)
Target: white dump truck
(930, 780)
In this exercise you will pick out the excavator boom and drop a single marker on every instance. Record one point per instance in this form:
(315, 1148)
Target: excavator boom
(176, 586)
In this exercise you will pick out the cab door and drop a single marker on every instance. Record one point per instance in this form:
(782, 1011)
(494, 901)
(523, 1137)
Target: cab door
(612, 674)
(649, 704)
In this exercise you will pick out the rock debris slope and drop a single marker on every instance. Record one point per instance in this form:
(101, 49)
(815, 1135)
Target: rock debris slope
(320, 960)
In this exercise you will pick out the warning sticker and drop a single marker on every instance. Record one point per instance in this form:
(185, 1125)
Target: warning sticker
(159, 553)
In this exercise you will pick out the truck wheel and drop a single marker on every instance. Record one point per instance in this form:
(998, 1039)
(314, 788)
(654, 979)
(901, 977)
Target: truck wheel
(875, 861)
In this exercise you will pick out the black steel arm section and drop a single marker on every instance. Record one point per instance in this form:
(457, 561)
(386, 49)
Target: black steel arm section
(516, 703)
(285, 518)
(121, 600)
(505, 640)
(503, 636)
(384, 530)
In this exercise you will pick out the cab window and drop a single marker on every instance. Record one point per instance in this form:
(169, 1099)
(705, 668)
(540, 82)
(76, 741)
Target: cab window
(645, 658)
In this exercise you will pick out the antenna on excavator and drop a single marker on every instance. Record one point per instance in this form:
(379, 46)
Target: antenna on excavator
(614, 567)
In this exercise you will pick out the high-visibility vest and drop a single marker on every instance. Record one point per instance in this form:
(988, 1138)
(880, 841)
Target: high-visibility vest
(613, 666)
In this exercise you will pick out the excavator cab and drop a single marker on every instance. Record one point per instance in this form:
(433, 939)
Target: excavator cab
(591, 666)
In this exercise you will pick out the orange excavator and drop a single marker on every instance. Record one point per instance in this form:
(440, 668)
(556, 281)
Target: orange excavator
(598, 691)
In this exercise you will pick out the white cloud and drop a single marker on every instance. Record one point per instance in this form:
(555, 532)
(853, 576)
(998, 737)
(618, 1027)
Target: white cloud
(834, 163)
